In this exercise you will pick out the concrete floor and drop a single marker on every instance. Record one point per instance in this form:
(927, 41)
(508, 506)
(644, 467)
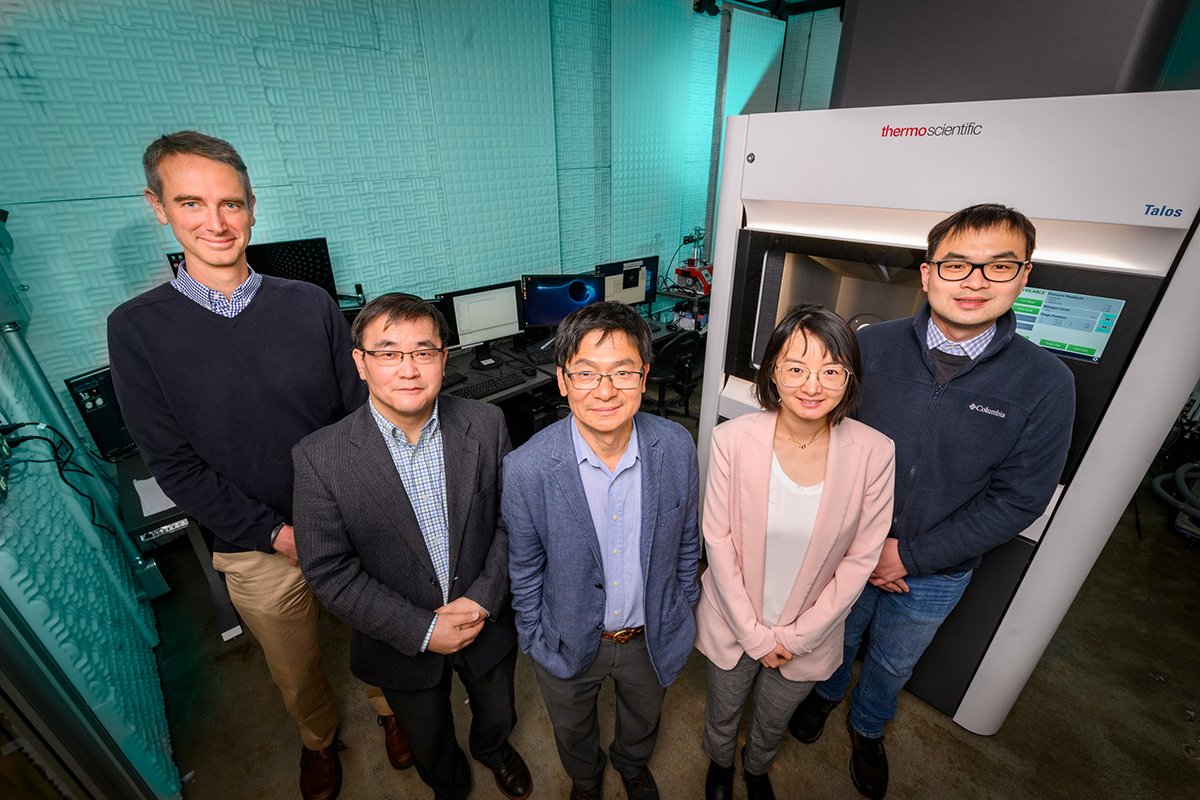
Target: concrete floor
(1109, 712)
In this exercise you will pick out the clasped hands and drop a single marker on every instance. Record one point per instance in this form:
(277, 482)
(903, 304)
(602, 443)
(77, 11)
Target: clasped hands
(458, 623)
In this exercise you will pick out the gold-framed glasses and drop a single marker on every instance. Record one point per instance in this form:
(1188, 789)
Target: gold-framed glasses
(832, 378)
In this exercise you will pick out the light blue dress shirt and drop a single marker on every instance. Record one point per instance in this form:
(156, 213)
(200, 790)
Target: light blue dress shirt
(615, 499)
(422, 470)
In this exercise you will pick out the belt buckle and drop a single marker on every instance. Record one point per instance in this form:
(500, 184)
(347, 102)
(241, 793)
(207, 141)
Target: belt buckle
(624, 635)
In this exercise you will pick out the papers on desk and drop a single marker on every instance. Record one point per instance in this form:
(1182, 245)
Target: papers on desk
(151, 497)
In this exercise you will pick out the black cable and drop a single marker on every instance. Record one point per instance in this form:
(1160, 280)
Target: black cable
(63, 463)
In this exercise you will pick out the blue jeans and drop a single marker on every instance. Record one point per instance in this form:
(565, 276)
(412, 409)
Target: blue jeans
(902, 626)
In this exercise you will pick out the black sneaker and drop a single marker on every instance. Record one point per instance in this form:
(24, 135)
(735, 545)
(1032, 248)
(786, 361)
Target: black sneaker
(808, 720)
(868, 764)
(719, 783)
(641, 786)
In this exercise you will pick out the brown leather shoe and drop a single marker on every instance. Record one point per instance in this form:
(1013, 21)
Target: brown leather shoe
(320, 773)
(513, 778)
(396, 742)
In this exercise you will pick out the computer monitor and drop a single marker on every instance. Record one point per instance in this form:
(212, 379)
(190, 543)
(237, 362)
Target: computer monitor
(633, 281)
(300, 260)
(550, 298)
(480, 316)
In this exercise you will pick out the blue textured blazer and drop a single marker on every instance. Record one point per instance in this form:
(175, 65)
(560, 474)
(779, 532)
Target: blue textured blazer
(555, 570)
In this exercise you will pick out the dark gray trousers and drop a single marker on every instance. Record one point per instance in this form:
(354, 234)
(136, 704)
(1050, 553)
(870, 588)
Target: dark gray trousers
(428, 722)
(571, 704)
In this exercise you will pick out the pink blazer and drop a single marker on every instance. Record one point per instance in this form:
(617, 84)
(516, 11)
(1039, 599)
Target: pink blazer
(852, 522)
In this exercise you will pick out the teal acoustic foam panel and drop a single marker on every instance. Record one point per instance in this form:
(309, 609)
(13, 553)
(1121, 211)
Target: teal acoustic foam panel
(74, 589)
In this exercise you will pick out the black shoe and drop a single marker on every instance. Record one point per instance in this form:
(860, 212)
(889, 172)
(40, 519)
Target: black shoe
(641, 786)
(583, 794)
(719, 783)
(758, 787)
(868, 764)
(808, 720)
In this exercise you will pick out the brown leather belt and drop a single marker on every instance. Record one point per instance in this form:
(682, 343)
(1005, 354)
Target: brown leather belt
(624, 635)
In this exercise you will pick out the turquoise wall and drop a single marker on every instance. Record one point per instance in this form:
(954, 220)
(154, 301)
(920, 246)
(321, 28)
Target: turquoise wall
(436, 144)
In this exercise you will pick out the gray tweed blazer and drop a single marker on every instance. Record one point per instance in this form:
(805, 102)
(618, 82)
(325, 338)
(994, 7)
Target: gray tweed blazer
(363, 555)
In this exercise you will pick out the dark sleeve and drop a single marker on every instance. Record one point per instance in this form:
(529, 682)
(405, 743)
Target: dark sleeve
(185, 477)
(490, 589)
(1019, 491)
(353, 389)
(334, 571)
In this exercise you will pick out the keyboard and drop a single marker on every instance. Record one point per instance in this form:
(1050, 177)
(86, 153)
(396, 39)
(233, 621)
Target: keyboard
(490, 386)
(452, 379)
(539, 357)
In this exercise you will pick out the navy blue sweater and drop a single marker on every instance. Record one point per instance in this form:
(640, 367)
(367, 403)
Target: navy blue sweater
(215, 404)
(978, 457)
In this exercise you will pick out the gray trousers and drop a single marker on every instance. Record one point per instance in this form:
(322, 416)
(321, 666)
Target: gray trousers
(571, 704)
(775, 698)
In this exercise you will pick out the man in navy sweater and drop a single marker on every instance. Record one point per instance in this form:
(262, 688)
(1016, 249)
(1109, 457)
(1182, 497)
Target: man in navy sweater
(219, 373)
(981, 419)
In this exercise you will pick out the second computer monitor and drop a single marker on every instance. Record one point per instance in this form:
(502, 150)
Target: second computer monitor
(550, 298)
(483, 314)
(632, 281)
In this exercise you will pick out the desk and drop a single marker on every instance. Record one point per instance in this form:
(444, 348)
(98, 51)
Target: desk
(133, 468)
(460, 362)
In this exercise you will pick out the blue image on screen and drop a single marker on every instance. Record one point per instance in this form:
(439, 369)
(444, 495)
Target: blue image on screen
(550, 298)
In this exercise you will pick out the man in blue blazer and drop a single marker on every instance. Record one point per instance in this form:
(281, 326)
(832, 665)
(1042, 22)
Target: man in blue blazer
(603, 549)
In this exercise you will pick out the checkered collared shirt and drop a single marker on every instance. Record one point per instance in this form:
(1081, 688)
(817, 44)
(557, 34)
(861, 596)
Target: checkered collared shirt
(212, 299)
(972, 348)
(422, 470)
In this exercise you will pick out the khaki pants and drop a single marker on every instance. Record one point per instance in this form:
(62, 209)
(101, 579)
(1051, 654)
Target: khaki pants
(279, 609)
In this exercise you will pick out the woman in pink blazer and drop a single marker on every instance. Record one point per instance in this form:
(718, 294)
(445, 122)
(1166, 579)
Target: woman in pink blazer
(799, 501)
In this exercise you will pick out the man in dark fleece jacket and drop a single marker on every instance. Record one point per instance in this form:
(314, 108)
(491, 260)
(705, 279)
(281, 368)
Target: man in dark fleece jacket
(982, 420)
(219, 373)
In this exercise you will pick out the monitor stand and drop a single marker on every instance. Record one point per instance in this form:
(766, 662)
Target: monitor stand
(484, 358)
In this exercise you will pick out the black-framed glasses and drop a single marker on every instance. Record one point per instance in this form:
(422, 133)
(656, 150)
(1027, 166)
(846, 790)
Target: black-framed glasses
(394, 358)
(832, 378)
(995, 271)
(621, 379)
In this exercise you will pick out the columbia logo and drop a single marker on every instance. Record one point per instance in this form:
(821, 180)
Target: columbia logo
(986, 410)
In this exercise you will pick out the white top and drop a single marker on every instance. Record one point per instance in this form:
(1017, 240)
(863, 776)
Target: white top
(791, 512)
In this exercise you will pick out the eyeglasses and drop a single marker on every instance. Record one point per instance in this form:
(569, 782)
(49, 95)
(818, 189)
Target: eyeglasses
(995, 271)
(394, 358)
(832, 378)
(621, 379)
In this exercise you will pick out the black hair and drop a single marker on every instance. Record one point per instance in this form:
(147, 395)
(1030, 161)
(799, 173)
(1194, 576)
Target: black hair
(398, 306)
(982, 217)
(610, 317)
(831, 331)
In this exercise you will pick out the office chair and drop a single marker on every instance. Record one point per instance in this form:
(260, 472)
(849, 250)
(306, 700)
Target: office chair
(678, 365)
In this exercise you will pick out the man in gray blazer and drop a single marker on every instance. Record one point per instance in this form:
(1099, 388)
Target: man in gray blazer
(398, 533)
(603, 549)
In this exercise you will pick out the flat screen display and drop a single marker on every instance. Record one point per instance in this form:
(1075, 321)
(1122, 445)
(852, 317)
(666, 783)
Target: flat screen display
(550, 298)
(633, 281)
(483, 314)
(1066, 323)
